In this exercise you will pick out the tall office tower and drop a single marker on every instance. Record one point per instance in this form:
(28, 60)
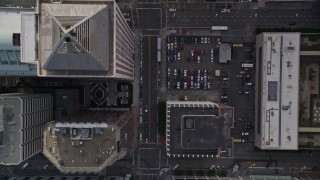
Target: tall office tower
(78, 39)
(22, 117)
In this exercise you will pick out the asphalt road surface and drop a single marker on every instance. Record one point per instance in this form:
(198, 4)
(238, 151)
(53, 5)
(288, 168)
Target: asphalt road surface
(241, 19)
(150, 87)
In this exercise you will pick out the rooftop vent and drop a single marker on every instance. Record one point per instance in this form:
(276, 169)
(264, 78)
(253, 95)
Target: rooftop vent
(290, 48)
(286, 107)
(57, 1)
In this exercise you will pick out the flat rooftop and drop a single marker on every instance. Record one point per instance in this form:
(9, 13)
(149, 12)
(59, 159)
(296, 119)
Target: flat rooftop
(10, 44)
(200, 131)
(194, 128)
(224, 53)
(81, 147)
(280, 90)
(10, 136)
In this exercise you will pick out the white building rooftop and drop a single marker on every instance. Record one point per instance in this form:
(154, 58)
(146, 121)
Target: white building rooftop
(279, 81)
(28, 35)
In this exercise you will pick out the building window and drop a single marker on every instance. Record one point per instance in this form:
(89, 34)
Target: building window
(16, 39)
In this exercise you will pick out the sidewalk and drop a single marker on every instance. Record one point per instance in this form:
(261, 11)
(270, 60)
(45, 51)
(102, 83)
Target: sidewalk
(136, 81)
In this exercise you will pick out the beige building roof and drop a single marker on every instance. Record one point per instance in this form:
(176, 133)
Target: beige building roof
(82, 147)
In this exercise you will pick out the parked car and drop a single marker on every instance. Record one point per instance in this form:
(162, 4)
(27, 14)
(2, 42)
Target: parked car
(225, 79)
(175, 166)
(225, 10)
(212, 167)
(245, 133)
(248, 125)
(178, 85)
(185, 85)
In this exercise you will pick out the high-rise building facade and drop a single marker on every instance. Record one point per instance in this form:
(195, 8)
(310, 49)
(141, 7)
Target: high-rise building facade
(22, 117)
(78, 39)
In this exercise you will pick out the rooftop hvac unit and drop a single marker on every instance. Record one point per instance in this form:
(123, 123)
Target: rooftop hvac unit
(57, 1)
(290, 48)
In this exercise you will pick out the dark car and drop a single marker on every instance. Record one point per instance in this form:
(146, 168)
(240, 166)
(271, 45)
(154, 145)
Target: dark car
(292, 23)
(248, 125)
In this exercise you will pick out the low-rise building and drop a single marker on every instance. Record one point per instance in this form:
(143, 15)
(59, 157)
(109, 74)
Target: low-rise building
(224, 53)
(196, 129)
(277, 91)
(88, 141)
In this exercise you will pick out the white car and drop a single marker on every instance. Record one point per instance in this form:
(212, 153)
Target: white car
(225, 10)
(185, 85)
(245, 133)
(185, 73)
(178, 85)
(179, 56)
(192, 53)
(168, 71)
(175, 72)
(146, 109)
(212, 167)
(175, 166)
(225, 79)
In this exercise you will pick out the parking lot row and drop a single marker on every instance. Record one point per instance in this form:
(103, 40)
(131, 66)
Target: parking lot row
(176, 44)
(189, 79)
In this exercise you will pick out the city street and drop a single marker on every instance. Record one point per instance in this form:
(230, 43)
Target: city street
(150, 92)
(242, 19)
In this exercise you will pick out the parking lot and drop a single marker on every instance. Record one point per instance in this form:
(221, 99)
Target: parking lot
(194, 73)
(190, 66)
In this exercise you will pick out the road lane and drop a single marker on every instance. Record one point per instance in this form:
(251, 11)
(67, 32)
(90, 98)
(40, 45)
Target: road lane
(274, 18)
